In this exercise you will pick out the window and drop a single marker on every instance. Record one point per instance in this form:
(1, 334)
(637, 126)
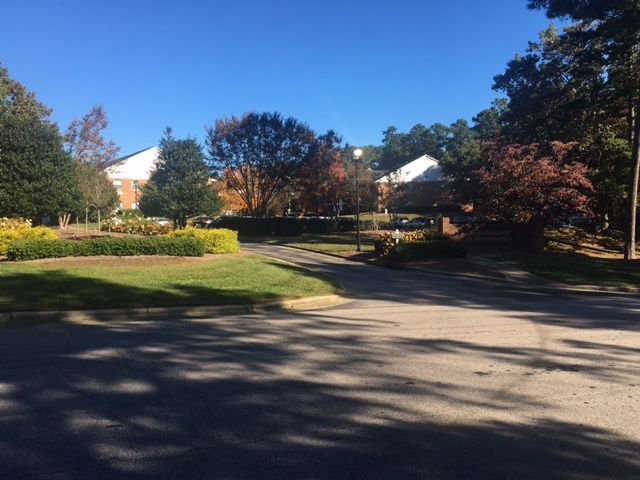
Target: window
(134, 206)
(117, 183)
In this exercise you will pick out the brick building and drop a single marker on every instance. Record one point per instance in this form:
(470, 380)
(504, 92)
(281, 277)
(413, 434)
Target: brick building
(130, 173)
(422, 182)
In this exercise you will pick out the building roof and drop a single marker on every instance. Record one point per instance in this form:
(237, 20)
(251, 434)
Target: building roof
(422, 169)
(136, 166)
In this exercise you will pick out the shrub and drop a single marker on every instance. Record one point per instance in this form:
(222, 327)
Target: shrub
(320, 225)
(123, 247)
(216, 240)
(386, 243)
(14, 230)
(346, 224)
(439, 247)
(286, 226)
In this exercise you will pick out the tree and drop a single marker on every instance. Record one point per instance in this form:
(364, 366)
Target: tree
(87, 146)
(584, 84)
(323, 176)
(97, 191)
(399, 148)
(84, 139)
(37, 176)
(522, 182)
(393, 194)
(179, 186)
(258, 155)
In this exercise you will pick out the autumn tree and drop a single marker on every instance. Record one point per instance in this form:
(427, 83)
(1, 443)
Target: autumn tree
(258, 155)
(84, 139)
(584, 84)
(86, 144)
(521, 182)
(37, 176)
(179, 185)
(322, 176)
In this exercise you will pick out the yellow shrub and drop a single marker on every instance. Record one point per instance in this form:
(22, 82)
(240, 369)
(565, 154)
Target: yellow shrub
(12, 230)
(216, 240)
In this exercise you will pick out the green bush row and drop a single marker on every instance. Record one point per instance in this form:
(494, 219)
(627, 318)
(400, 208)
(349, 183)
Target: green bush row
(216, 240)
(438, 247)
(121, 247)
(289, 226)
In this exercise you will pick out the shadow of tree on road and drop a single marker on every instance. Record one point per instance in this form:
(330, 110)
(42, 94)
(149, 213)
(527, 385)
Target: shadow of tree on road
(262, 397)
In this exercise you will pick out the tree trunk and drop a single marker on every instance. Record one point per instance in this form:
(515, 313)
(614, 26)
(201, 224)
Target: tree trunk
(86, 219)
(99, 229)
(632, 195)
(63, 220)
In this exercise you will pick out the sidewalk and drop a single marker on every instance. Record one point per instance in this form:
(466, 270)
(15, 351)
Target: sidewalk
(487, 267)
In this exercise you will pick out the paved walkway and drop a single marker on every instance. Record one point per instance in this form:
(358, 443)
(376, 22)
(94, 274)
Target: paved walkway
(420, 376)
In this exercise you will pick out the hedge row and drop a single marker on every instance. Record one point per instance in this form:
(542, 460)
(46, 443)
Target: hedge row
(121, 247)
(437, 247)
(281, 226)
(10, 234)
(288, 226)
(216, 240)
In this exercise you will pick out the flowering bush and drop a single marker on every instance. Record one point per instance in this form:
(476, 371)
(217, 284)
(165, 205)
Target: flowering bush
(385, 244)
(15, 229)
(135, 225)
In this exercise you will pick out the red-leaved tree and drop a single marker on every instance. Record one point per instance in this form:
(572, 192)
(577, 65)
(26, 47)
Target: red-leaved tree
(322, 179)
(522, 182)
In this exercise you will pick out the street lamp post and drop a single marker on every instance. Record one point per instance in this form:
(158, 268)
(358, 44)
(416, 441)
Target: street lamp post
(357, 153)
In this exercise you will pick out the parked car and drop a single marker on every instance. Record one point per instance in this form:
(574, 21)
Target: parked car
(161, 220)
(202, 221)
(399, 222)
(420, 222)
(561, 222)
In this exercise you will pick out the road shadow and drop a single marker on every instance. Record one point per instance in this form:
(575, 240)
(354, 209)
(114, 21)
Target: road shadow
(244, 398)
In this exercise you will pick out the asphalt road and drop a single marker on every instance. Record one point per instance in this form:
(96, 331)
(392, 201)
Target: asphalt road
(420, 376)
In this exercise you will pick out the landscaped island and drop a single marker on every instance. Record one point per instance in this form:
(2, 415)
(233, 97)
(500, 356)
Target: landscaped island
(119, 282)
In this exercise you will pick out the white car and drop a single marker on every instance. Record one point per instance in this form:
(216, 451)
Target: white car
(161, 220)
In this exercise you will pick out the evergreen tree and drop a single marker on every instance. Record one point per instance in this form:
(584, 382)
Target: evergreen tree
(179, 186)
(37, 176)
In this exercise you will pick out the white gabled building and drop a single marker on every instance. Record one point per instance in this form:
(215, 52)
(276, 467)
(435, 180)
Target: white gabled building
(130, 173)
(423, 182)
(422, 169)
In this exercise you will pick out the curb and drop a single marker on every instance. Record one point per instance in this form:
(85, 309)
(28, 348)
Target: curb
(102, 316)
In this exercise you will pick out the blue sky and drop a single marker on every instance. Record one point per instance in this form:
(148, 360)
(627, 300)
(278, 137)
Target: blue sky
(351, 65)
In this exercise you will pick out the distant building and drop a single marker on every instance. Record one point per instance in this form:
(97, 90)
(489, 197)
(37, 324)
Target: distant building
(130, 173)
(422, 182)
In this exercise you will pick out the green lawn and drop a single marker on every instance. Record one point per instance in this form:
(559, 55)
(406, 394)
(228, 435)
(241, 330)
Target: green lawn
(332, 243)
(579, 269)
(146, 281)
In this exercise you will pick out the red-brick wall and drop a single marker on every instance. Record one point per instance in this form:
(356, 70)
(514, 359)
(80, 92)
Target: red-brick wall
(127, 192)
